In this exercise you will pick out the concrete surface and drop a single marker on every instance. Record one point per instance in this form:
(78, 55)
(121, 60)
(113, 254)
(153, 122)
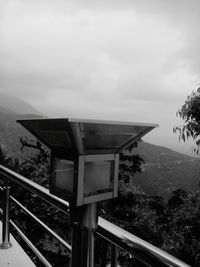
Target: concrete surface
(14, 256)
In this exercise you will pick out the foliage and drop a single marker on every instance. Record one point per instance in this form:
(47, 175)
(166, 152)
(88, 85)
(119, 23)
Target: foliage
(177, 198)
(172, 226)
(129, 165)
(10, 162)
(35, 168)
(190, 114)
(132, 212)
(182, 232)
(34, 143)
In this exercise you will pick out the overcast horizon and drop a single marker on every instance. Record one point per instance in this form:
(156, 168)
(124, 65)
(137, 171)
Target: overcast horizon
(116, 60)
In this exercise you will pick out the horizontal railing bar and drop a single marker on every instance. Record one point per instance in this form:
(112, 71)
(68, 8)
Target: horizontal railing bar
(41, 223)
(32, 247)
(144, 251)
(35, 189)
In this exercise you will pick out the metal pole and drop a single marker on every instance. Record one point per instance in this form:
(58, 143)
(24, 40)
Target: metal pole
(6, 218)
(113, 255)
(84, 232)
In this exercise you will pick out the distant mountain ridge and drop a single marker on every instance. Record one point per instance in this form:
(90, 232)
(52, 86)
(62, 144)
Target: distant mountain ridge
(164, 170)
(13, 104)
(11, 109)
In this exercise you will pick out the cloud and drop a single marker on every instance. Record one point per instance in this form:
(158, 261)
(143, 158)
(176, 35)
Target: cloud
(102, 50)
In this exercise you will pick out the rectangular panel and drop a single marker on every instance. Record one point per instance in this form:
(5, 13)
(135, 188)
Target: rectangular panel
(97, 198)
(110, 128)
(105, 141)
(64, 174)
(54, 138)
(98, 177)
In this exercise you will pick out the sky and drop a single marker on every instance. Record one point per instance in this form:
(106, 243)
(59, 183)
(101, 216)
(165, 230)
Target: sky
(116, 60)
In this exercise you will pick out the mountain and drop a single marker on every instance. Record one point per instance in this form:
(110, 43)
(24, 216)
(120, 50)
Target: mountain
(13, 104)
(166, 170)
(12, 109)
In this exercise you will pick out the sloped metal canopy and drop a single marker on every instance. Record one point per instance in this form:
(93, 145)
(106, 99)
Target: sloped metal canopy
(80, 136)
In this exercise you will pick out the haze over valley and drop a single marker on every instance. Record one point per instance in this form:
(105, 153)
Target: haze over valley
(164, 170)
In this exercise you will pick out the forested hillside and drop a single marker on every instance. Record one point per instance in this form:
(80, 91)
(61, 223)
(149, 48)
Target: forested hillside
(16, 105)
(10, 130)
(171, 224)
(166, 170)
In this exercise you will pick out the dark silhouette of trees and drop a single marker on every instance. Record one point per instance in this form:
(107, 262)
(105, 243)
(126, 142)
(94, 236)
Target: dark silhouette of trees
(177, 198)
(7, 161)
(34, 143)
(172, 226)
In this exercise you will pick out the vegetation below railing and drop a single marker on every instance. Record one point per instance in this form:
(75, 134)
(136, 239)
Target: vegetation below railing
(132, 245)
(172, 226)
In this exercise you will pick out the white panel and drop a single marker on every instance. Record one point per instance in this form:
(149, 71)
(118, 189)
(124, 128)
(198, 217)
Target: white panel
(64, 174)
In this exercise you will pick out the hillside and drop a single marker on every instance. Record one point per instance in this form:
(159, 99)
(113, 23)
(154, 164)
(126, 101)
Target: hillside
(12, 109)
(166, 170)
(13, 104)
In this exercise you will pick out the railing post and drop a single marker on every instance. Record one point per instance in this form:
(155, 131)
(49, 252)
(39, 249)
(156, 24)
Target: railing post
(113, 255)
(6, 219)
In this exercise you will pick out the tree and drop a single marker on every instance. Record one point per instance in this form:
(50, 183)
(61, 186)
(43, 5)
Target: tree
(7, 161)
(190, 114)
(182, 234)
(36, 144)
(177, 198)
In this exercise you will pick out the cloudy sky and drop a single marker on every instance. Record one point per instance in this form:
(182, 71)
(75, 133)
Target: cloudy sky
(105, 59)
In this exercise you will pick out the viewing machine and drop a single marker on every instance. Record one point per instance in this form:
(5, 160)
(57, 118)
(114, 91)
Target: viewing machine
(84, 169)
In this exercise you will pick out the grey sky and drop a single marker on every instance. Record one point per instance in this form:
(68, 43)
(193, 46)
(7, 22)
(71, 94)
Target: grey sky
(124, 60)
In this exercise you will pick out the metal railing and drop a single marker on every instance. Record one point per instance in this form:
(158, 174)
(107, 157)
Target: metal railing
(119, 238)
